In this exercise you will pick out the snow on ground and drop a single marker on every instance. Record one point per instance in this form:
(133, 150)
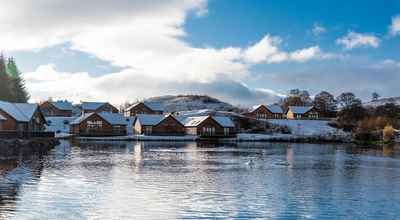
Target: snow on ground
(307, 127)
(59, 124)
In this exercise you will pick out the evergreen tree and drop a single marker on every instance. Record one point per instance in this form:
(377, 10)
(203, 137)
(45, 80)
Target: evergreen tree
(5, 82)
(18, 89)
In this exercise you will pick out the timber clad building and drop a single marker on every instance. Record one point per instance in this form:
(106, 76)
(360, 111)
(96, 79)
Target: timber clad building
(97, 107)
(302, 112)
(158, 125)
(266, 112)
(99, 124)
(144, 108)
(209, 126)
(56, 109)
(21, 117)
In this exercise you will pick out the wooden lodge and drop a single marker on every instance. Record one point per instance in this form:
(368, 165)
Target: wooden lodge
(147, 108)
(302, 112)
(56, 109)
(97, 107)
(22, 120)
(152, 124)
(266, 112)
(99, 124)
(209, 126)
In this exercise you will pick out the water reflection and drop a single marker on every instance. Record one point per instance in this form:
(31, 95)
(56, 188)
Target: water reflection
(161, 180)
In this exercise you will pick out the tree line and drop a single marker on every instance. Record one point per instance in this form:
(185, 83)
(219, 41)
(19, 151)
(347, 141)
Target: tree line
(12, 85)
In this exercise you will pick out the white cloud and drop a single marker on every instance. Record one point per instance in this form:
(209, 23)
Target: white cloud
(267, 51)
(318, 29)
(147, 38)
(129, 85)
(354, 40)
(394, 28)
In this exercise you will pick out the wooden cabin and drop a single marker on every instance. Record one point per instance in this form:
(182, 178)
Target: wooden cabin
(97, 107)
(266, 112)
(147, 108)
(21, 117)
(99, 124)
(152, 124)
(56, 109)
(209, 126)
(302, 112)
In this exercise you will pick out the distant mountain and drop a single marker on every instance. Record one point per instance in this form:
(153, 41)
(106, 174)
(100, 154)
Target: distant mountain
(383, 101)
(190, 103)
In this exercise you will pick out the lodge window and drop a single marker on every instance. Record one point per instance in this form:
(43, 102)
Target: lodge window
(226, 131)
(148, 130)
(94, 124)
(209, 131)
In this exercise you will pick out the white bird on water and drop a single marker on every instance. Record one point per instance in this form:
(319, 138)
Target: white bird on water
(250, 163)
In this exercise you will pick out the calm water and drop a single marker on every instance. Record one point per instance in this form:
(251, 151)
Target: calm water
(193, 181)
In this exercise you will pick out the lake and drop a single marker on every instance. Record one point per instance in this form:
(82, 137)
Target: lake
(150, 180)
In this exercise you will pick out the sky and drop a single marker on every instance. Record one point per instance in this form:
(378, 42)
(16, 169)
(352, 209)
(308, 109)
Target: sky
(244, 52)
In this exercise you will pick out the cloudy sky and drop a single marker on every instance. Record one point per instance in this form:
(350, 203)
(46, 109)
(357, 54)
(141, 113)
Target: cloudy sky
(244, 52)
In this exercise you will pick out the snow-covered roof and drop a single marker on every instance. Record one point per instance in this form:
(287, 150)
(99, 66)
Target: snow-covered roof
(277, 109)
(224, 121)
(81, 118)
(146, 119)
(272, 108)
(195, 121)
(112, 118)
(63, 105)
(155, 106)
(22, 112)
(300, 109)
(92, 105)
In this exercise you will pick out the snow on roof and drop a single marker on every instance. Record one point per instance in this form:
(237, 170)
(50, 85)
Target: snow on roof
(275, 109)
(193, 121)
(92, 105)
(255, 107)
(300, 109)
(224, 121)
(22, 112)
(112, 118)
(155, 106)
(81, 118)
(62, 105)
(146, 119)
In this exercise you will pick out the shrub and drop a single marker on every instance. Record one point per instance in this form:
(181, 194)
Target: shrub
(388, 133)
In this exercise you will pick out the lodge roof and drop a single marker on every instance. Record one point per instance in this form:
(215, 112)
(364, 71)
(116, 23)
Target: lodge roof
(197, 120)
(22, 112)
(276, 109)
(92, 105)
(300, 109)
(63, 105)
(155, 106)
(111, 118)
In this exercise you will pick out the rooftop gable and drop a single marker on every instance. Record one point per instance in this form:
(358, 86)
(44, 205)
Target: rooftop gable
(92, 105)
(300, 109)
(63, 105)
(22, 112)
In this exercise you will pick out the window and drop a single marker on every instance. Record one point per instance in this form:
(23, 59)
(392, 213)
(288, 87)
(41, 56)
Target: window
(148, 130)
(226, 131)
(94, 124)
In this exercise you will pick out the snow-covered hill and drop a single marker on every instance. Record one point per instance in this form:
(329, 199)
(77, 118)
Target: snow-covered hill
(383, 101)
(190, 103)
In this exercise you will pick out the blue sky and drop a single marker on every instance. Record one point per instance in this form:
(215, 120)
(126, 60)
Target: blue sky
(243, 51)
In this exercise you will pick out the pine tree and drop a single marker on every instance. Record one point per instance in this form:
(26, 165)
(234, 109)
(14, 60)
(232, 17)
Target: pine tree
(18, 89)
(5, 82)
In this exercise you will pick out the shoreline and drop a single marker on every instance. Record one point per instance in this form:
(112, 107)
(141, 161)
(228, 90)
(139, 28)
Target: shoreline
(241, 138)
